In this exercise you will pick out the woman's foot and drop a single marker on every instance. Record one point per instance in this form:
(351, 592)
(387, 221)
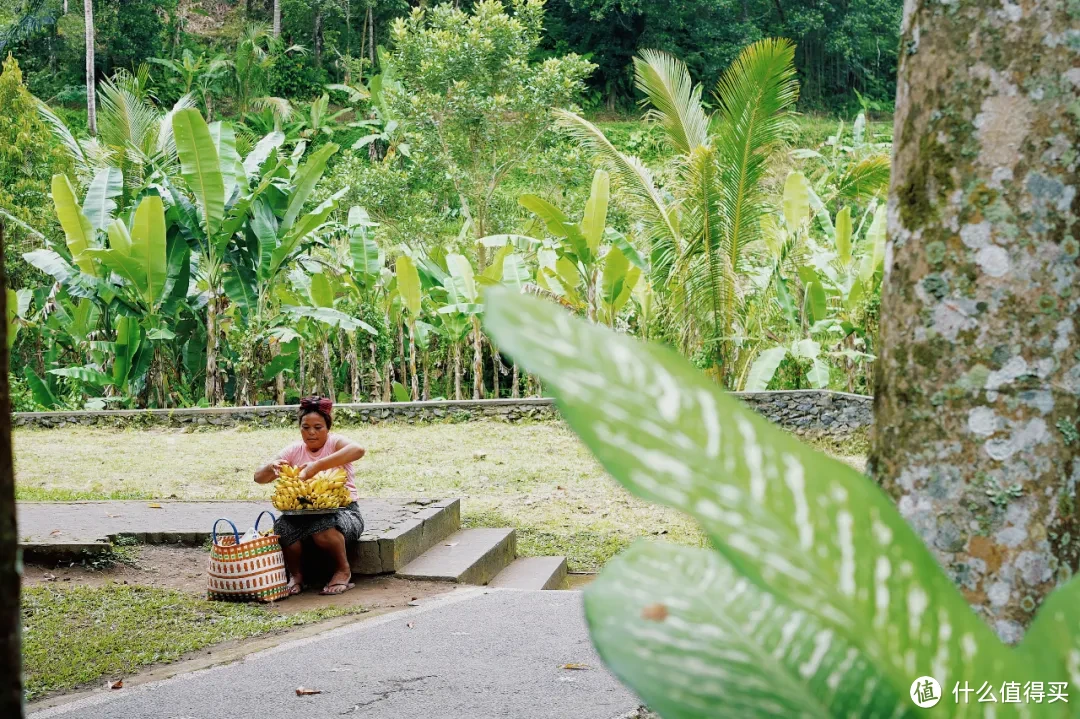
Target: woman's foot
(338, 584)
(296, 585)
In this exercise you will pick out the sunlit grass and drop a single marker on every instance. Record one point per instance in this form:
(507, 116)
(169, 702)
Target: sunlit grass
(536, 477)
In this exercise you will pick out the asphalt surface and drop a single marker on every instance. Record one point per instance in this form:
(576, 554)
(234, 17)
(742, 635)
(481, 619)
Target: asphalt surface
(477, 653)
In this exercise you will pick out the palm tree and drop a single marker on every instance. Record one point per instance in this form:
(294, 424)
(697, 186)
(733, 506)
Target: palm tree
(699, 238)
(91, 104)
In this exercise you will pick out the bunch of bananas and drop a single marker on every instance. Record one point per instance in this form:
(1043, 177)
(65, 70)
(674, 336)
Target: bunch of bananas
(326, 490)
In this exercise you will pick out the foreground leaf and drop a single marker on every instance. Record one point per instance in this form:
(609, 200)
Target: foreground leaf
(691, 635)
(807, 529)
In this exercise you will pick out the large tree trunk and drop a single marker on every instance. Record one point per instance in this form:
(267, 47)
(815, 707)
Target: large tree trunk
(376, 379)
(328, 371)
(978, 371)
(515, 391)
(11, 691)
(277, 18)
(91, 84)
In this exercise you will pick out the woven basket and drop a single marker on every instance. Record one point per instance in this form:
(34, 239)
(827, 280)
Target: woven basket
(250, 572)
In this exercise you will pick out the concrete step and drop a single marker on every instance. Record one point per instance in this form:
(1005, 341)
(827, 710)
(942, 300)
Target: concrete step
(384, 549)
(469, 556)
(533, 573)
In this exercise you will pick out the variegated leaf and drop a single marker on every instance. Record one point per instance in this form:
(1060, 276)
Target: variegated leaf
(804, 527)
(691, 635)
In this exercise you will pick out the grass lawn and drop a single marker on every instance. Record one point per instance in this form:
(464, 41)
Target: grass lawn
(75, 636)
(535, 477)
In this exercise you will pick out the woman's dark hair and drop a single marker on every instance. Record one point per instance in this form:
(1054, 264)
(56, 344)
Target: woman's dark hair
(322, 406)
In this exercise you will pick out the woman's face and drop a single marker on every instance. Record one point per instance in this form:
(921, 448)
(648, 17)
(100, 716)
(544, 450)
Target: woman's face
(314, 431)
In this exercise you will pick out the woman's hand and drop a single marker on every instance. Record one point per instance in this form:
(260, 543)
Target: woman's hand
(308, 470)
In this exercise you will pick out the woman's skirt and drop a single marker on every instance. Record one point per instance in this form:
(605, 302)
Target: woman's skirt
(292, 528)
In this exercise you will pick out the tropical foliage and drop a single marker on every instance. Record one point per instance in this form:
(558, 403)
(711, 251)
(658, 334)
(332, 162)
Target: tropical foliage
(250, 259)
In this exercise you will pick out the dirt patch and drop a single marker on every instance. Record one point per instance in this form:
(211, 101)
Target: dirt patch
(184, 569)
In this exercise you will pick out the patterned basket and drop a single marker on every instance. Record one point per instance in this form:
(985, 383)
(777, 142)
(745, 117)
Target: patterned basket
(250, 572)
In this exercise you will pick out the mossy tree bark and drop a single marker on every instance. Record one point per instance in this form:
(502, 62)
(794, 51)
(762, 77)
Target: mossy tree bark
(978, 377)
(11, 690)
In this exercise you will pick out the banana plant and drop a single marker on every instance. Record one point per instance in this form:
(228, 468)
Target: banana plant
(816, 598)
(463, 305)
(251, 224)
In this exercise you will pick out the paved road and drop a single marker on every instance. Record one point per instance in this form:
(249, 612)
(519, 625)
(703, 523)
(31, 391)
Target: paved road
(474, 654)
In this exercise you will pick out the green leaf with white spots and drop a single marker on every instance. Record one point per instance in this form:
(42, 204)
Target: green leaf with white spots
(656, 619)
(807, 530)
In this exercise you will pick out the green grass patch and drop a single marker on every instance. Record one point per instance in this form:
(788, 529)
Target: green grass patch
(536, 477)
(78, 636)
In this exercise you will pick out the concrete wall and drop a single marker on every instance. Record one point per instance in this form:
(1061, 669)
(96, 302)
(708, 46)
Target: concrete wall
(806, 412)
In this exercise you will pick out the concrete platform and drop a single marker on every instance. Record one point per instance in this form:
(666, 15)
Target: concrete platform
(533, 573)
(396, 530)
(470, 556)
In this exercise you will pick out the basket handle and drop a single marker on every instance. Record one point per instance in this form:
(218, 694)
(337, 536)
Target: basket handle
(265, 511)
(236, 534)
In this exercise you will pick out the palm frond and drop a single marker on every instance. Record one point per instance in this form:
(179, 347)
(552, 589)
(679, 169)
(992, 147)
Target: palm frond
(279, 107)
(125, 119)
(675, 99)
(660, 223)
(752, 95)
(84, 168)
(166, 144)
(865, 179)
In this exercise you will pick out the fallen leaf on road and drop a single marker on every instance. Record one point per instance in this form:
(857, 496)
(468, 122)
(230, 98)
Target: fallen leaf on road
(576, 666)
(410, 625)
(414, 599)
(654, 612)
(154, 506)
(118, 684)
(55, 532)
(304, 691)
(413, 604)
(451, 544)
(113, 516)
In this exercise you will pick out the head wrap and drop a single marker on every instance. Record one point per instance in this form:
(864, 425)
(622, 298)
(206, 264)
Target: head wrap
(317, 404)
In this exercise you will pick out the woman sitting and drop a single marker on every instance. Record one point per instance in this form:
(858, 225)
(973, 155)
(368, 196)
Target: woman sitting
(318, 450)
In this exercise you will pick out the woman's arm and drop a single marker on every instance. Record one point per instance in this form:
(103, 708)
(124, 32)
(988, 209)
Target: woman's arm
(347, 451)
(269, 471)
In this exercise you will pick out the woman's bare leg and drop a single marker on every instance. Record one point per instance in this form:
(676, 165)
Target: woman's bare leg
(332, 542)
(293, 563)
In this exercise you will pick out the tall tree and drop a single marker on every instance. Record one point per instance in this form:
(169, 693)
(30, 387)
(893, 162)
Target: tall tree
(277, 19)
(91, 100)
(11, 694)
(976, 406)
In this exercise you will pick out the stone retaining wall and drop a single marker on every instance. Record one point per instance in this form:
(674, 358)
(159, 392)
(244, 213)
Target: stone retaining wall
(806, 412)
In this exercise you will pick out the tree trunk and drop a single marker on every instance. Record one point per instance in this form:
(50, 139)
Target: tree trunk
(279, 378)
(975, 406)
(318, 35)
(277, 18)
(388, 381)
(328, 372)
(91, 84)
(514, 381)
(425, 392)
(402, 374)
(371, 38)
(301, 375)
(376, 380)
(354, 370)
(496, 365)
(11, 690)
(413, 383)
(478, 362)
(213, 389)
(457, 370)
